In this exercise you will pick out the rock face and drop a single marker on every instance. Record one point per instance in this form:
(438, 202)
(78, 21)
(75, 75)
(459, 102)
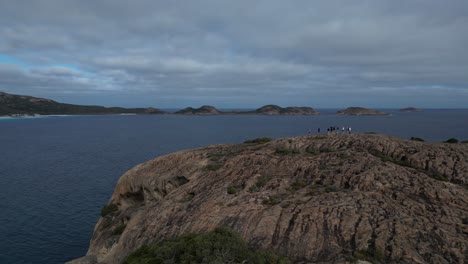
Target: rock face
(204, 110)
(292, 110)
(410, 109)
(359, 111)
(325, 199)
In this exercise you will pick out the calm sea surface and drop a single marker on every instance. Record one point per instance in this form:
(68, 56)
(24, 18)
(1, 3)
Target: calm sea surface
(57, 173)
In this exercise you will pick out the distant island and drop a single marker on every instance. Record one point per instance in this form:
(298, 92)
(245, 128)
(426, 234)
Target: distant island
(360, 111)
(264, 110)
(204, 110)
(292, 110)
(410, 109)
(21, 105)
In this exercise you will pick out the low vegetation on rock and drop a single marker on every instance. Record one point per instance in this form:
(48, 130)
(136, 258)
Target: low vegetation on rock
(108, 208)
(451, 140)
(219, 246)
(258, 140)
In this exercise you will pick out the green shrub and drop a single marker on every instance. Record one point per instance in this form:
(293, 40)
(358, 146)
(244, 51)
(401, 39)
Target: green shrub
(417, 139)
(464, 141)
(258, 140)
(231, 190)
(219, 246)
(286, 151)
(465, 221)
(119, 229)
(370, 133)
(452, 140)
(108, 208)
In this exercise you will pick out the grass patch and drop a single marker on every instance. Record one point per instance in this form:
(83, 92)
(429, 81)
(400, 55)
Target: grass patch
(286, 151)
(119, 229)
(219, 246)
(261, 181)
(417, 139)
(464, 141)
(108, 208)
(373, 256)
(451, 140)
(465, 221)
(262, 140)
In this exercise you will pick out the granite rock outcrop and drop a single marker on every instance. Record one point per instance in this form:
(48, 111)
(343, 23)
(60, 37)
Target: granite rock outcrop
(319, 199)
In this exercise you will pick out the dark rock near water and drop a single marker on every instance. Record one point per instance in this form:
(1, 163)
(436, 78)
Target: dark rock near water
(315, 199)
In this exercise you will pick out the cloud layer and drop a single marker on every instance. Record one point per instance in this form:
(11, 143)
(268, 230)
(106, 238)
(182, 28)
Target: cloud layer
(237, 53)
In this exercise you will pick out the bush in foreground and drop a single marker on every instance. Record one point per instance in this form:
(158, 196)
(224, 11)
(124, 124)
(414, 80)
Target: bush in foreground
(452, 140)
(219, 246)
(258, 140)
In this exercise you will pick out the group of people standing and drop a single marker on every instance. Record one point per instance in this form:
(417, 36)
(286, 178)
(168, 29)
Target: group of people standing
(336, 130)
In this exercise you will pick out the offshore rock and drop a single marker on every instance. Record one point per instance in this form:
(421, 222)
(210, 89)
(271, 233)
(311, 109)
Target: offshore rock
(325, 199)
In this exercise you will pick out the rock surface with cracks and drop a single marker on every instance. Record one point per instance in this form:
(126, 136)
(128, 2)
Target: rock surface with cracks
(320, 199)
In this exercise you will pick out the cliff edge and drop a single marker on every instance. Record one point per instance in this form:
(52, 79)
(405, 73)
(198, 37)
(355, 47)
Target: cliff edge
(325, 198)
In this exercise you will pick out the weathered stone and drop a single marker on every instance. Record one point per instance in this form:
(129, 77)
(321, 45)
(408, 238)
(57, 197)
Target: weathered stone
(335, 198)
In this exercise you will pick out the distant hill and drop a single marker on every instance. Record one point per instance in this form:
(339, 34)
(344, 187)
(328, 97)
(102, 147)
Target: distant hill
(410, 109)
(204, 110)
(359, 111)
(11, 104)
(277, 110)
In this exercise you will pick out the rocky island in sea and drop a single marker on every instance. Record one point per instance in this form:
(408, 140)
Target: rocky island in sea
(410, 109)
(360, 111)
(291, 110)
(204, 110)
(313, 199)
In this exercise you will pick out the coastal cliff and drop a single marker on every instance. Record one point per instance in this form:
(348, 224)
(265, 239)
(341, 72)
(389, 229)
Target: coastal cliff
(325, 198)
(18, 105)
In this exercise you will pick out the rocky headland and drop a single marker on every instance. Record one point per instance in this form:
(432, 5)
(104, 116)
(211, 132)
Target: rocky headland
(291, 110)
(22, 105)
(360, 111)
(314, 199)
(204, 110)
(410, 109)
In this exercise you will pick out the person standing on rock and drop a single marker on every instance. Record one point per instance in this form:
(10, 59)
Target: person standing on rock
(318, 130)
(349, 130)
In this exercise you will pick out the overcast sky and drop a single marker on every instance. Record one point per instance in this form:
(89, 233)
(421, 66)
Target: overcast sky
(237, 53)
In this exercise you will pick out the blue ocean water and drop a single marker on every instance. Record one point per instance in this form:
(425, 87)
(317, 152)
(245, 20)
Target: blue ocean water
(56, 173)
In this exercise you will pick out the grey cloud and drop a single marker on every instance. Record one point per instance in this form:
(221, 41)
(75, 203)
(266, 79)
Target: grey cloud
(239, 50)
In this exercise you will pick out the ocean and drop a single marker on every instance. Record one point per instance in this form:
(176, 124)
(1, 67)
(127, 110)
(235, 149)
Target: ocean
(56, 173)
